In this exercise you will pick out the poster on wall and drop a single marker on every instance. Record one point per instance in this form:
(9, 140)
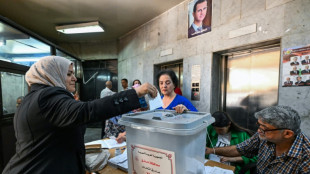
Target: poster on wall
(199, 17)
(296, 64)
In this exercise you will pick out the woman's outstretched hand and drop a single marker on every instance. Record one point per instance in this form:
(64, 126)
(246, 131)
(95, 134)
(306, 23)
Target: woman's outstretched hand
(180, 108)
(146, 88)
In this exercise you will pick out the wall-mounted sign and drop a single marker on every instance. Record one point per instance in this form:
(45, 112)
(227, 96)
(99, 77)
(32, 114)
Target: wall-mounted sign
(296, 62)
(150, 160)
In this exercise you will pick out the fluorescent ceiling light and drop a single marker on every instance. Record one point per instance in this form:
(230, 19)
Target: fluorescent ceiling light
(89, 27)
(25, 59)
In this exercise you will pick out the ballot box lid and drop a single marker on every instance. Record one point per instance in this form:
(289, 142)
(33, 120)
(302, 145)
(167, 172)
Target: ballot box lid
(168, 121)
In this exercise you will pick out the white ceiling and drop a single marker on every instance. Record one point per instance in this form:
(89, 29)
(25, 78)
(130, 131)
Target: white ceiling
(117, 16)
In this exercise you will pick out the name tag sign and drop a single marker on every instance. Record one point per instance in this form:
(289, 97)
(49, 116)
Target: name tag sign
(150, 160)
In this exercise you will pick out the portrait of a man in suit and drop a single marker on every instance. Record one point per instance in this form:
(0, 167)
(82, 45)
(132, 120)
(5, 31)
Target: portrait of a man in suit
(294, 72)
(294, 62)
(199, 13)
(306, 61)
(288, 82)
(306, 70)
(299, 82)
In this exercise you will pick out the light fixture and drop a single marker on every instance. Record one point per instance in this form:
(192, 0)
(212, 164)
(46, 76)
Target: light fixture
(25, 59)
(88, 27)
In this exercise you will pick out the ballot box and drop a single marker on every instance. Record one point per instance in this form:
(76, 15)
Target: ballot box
(162, 141)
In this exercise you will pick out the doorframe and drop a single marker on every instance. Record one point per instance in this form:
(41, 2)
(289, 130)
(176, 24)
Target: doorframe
(219, 71)
(157, 69)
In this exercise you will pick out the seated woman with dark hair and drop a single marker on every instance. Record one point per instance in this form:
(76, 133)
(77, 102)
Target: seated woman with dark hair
(167, 82)
(225, 132)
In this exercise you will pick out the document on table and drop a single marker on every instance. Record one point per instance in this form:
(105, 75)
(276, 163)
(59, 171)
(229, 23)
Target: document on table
(120, 161)
(108, 143)
(217, 170)
(155, 102)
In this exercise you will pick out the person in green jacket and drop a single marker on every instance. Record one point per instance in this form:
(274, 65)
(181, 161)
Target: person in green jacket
(225, 132)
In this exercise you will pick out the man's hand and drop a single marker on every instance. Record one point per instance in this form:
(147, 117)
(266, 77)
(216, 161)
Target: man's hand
(231, 159)
(228, 151)
(121, 137)
(209, 151)
(146, 88)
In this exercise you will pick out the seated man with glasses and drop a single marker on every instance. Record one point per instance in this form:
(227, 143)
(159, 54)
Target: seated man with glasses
(279, 144)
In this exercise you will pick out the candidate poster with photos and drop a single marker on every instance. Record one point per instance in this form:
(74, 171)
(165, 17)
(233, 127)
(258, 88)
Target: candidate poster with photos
(199, 17)
(296, 71)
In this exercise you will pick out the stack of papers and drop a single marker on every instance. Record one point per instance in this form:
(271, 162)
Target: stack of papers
(120, 161)
(217, 170)
(107, 144)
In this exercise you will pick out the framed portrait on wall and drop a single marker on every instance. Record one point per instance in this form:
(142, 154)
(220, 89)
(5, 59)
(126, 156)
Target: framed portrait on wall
(199, 17)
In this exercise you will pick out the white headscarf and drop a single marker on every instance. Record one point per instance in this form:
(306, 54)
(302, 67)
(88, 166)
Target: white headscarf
(49, 70)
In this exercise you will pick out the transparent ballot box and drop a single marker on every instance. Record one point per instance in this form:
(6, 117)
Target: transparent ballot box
(165, 142)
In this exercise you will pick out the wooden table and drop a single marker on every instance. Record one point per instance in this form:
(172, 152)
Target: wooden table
(111, 170)
(107, 169)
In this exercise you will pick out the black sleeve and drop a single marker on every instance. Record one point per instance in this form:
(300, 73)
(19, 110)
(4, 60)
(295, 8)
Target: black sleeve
(59, 107)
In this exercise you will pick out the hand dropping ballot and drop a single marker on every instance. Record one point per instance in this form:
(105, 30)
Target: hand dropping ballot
(155, 102)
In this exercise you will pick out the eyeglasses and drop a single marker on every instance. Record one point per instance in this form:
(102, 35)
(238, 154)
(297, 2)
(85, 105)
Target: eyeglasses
(268, 130)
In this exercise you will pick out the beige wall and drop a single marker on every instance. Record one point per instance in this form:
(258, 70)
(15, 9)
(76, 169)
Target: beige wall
(235, 23)
(232, 27)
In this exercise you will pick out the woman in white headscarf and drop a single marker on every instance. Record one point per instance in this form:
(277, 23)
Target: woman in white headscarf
(48, 122)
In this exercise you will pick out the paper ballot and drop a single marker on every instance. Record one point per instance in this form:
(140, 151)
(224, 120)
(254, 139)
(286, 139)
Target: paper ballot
(109, 143)
(217, 170)
(155, 102)
(120, 161)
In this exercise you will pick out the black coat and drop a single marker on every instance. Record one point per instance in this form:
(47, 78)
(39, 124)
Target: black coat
(48, 127)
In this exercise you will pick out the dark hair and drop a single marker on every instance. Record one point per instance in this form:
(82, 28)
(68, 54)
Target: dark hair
(198, 2)
(20, 97)
(171, 74)
(125, 80)
(134, 82)
(222, 119)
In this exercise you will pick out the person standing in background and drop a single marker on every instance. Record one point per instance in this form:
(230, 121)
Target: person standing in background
(125, 84)
(107, 91)
(19, 100)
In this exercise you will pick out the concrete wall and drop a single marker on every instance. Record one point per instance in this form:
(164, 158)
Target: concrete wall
(287, 20)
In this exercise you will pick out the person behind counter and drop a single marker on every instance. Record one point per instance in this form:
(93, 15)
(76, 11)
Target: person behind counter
(225, 132)
(48, 122)
(279, 144)
(167, 81)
